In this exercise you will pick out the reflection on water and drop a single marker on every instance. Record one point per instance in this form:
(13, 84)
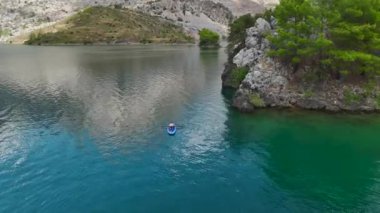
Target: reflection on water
(87, 123)
(114, 89)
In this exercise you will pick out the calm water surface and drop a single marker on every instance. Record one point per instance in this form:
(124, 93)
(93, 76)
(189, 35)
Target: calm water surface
(82, 130)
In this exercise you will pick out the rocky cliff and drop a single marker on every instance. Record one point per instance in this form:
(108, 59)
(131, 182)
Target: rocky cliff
(270, 83)
(18, 17)
(191, 14)
(241, 7)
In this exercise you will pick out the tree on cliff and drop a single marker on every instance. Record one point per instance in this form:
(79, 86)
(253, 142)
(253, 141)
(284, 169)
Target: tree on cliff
(299, 38)
(354, 28)
(238, 27)
(339, 36)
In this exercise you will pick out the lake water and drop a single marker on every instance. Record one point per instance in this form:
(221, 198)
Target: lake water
(82, 129)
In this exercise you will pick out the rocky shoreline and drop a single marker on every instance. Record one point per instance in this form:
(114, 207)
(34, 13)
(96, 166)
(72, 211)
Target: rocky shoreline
(272, 84)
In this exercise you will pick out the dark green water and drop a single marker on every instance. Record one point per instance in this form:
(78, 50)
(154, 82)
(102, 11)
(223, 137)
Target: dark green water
(81, 130)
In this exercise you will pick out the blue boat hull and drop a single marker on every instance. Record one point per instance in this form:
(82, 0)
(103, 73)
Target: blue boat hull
(171, 132)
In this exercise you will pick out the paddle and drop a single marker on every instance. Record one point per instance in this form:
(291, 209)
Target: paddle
(177, 126)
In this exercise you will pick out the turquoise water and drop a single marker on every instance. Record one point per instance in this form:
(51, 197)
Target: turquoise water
(82, 129)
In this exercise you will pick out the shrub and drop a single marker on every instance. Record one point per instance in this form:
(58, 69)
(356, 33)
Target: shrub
(308, 94)
(238, 28)
(34, 38)
(350, 97)
(118, 6)
(5, 32)
(238, 75)
(378, 101)
(256, 100)
(145, 41)
(370, 88)
(208, 38)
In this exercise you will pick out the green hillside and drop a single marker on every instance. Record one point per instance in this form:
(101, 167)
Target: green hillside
(109, 25)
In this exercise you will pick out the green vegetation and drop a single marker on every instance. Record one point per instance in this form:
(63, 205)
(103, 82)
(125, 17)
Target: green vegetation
(350, 97)
(238, 75)
(236, 42)
(238, 27)
(112, 25)
(308, 93)
(338, 37)
(378, 101)
(370, 88)
(208, 38)
(256, 100)
(4, 32)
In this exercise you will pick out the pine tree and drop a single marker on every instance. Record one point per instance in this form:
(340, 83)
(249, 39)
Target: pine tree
(355, 32)
(300, 39)
(332, 35)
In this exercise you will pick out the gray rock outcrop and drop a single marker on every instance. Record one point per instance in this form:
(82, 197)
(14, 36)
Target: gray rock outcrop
(21, 17)
(191, 14)
(270, 83)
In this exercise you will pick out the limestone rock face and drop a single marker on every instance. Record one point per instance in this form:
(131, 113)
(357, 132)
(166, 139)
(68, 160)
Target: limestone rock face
(20, 17)
(191, 14)
(255, 43)
(241, 7)
(270, 83)
(245, 57)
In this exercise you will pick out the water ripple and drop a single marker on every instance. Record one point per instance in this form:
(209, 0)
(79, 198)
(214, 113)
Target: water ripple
(89, 124)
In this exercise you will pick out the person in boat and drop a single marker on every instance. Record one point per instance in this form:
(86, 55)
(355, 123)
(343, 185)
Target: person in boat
(171, 127)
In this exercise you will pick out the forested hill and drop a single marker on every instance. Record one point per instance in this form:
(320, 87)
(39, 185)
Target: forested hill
(106, 25)
(314, 54)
